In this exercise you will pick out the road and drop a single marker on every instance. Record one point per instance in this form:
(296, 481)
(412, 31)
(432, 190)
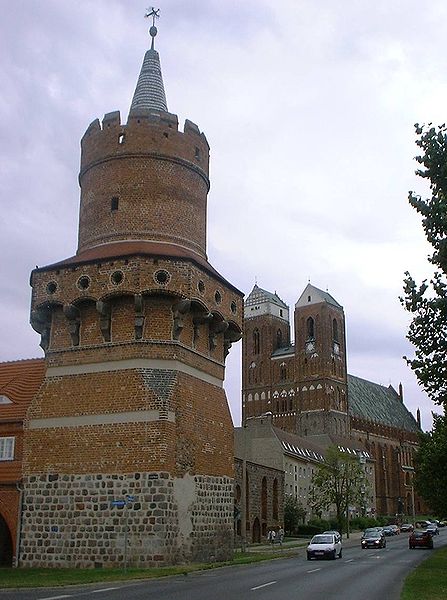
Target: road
(360, 574)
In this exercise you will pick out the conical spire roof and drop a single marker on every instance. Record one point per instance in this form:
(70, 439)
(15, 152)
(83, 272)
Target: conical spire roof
(150, 92)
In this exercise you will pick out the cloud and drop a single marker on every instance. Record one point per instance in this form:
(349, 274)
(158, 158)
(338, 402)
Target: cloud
(309, 112)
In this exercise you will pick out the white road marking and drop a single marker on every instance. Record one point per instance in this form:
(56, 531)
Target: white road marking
(314, 570)
(263, 585)
(57, 597)
(104, 590)
(349, 560)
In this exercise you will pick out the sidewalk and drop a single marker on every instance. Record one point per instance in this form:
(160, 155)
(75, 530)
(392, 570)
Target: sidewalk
(297, 545)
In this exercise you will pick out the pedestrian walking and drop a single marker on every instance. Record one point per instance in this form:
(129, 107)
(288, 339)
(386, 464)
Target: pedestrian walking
(271, 536)
(281, 535)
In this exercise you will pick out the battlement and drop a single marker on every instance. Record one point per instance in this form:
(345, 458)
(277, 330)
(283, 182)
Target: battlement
(145, 132)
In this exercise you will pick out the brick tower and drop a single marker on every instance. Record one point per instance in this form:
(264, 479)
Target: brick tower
(266, 331)
(135, 328)
(320, 355)
(303, 385)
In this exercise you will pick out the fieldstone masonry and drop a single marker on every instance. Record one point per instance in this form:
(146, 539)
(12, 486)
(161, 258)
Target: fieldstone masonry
(135, 328)
(70, 521)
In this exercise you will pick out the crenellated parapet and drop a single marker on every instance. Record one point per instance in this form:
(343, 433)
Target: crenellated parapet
(148, 132)
(144, 180)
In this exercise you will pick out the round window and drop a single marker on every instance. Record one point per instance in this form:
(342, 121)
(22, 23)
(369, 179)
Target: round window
(117, 277)
(83, 282)
(233, 307)
(162, 277)
(218, 297)
(51, 287)
(201, 287)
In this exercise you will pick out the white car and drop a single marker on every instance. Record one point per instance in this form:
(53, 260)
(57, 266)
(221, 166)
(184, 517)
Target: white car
(324, 545)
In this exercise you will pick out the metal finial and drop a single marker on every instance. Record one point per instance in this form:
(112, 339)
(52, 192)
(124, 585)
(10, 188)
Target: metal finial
(155, 14)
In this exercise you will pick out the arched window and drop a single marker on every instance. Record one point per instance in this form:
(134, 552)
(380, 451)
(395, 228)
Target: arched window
(256, 341)
(247, 501)
(283, 372)
(335, 330)
(275, 499)
(264, 499)
(279, 338)
(310, 324)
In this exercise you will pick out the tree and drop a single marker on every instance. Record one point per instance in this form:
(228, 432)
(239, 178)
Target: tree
(294, 513)
(340, 482)
(428, 301)
(430, 480)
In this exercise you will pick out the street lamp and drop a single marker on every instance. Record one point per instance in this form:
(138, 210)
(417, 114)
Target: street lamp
(408, 469)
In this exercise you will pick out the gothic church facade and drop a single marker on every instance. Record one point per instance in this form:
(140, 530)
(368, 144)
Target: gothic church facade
(306, 389)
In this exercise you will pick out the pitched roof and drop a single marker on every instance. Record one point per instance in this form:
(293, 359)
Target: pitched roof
(258, 295)
(374, 402)
(19, 382)
(301, 447)
(316, 296)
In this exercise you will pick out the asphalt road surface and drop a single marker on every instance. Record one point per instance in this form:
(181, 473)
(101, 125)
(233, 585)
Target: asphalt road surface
(360, 575)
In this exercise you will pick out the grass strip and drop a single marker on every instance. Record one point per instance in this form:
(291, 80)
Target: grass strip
(35, 578)
(429, 580)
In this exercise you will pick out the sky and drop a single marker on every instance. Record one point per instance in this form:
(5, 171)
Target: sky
(309, 108)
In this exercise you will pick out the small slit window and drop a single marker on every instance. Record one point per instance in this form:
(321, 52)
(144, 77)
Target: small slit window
(197, 153)
(114, 202)
(121, 138)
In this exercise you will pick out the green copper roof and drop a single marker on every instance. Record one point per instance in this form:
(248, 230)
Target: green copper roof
(368, 400)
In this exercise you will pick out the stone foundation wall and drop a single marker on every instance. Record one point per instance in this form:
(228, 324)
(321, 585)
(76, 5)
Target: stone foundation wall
(69, 520)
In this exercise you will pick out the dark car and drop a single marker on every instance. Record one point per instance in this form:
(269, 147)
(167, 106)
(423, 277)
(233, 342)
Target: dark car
(406, 527)
(422, 539)
(373, 539)
(388, 531)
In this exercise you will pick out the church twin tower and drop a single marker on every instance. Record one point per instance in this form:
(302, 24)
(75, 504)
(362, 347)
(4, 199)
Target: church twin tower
(129, 439)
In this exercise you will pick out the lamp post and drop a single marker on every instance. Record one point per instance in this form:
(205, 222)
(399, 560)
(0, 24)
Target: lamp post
(408, 469)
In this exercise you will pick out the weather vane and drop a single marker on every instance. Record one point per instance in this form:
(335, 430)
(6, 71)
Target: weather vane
(155, 14)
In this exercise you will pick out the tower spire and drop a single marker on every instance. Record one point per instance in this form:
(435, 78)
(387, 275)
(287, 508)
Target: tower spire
(150, 93)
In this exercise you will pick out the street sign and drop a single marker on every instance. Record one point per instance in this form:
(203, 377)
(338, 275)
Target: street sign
(130, 498)
(118, 503)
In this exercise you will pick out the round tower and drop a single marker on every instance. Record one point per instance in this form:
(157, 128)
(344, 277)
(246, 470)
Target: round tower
(144, 180)
(135, 327)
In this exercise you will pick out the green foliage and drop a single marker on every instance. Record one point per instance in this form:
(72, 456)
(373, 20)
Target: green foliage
(361, 523)
(338, 482)
(294, 514)
(309, 530)
(428, 301)
(430, 462)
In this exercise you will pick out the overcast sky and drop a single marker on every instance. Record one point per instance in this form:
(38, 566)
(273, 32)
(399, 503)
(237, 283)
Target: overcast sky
(308, 106)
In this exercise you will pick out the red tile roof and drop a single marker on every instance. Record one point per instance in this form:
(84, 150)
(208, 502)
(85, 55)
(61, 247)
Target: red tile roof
(19, 382)
(134, 248)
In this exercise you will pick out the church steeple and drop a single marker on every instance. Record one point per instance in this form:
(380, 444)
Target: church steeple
(150, 93)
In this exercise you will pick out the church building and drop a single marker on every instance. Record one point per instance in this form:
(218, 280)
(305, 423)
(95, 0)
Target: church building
(306, 389)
